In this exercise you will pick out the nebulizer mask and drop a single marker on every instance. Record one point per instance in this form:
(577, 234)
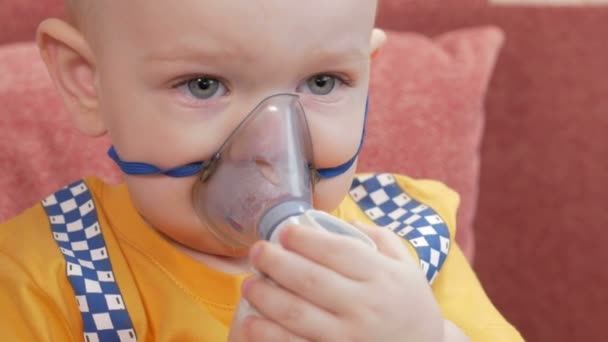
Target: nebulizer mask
(260, 180)
(261, 176)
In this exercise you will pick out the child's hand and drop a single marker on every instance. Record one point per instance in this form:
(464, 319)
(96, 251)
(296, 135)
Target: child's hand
(334, 288)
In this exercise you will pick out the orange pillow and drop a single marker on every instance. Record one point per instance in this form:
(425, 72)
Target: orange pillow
(426, 111)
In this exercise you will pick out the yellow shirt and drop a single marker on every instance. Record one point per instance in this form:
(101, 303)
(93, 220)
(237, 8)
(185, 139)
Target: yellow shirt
(171, 297)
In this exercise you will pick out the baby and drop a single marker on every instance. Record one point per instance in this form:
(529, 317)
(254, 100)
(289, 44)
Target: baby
(188, 91)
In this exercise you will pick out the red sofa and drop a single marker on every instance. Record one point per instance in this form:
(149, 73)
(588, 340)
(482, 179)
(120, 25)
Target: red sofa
(544, 168)
(541, 217)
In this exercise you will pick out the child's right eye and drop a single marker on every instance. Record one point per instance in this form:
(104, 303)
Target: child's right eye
(203, 88)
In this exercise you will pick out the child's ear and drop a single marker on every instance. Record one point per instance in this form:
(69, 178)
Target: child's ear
(70, 63)
(378, 39)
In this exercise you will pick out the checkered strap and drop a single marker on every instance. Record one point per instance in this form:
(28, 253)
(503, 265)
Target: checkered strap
(76, 230)
(387, 205)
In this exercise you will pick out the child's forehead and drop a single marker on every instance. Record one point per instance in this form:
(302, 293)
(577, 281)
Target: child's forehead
(262, 7)
(236, 27)
(239, 15)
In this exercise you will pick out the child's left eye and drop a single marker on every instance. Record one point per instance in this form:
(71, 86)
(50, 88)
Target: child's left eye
(322, 84)
(203, 88)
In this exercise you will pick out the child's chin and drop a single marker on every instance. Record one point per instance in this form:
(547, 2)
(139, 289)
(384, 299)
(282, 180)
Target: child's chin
(231, 252)
(218, 248)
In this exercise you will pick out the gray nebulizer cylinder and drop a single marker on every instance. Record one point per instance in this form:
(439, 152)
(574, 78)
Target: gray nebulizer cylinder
(298, 212)
(277, 216)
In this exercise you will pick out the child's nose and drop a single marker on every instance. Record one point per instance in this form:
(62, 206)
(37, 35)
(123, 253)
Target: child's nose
(272, 131)
(261, 139)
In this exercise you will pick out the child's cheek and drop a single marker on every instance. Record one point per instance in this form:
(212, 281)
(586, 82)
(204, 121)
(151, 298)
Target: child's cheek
(329, 193)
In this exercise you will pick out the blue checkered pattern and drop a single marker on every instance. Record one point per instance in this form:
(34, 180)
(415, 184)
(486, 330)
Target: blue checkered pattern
(76, 230)
(387, 205)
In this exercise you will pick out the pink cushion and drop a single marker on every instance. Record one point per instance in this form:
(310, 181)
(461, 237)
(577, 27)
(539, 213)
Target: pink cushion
(39, 150)
(426, 120)
(426, 116)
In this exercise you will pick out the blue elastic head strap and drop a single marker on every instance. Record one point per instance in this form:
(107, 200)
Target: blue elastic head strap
(143, 169)
(336, 171)
(192, 169)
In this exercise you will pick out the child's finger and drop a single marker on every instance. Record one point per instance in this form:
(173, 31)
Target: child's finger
(315, 283)
(349, 257)
(261, 329)
(292, 313)
(387, 242)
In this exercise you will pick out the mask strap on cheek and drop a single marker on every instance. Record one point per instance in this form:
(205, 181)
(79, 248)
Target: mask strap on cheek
(193, 169)
(336, 171)
(144, 169)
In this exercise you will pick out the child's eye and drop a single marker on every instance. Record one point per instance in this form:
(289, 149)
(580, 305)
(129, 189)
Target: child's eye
(322, 84)
(204, 88)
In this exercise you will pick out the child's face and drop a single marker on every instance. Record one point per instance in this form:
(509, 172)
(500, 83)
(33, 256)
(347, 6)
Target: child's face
(148, 59)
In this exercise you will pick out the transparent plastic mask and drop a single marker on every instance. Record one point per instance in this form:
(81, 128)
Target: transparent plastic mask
(266, 161)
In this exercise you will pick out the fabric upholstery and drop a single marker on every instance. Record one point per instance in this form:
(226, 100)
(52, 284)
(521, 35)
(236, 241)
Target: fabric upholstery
(19, 18)
(40, 151)
(541, 220)
(426, 115)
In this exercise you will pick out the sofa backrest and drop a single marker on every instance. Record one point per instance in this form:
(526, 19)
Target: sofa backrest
(541, 219)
